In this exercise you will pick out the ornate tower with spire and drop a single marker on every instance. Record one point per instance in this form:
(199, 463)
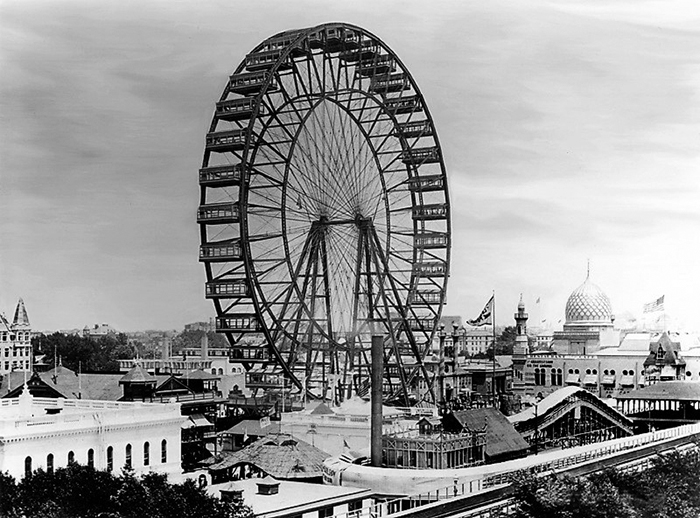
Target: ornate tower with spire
(16, 342)
(521, 347)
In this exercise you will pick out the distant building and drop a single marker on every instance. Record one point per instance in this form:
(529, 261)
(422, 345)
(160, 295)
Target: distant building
(477, 340)
(589, 353)
(201, 326)
(16, 342)
(49, 433)
(98, 331)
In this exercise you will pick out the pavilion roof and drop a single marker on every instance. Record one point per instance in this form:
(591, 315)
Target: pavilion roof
(137, 374)
(279, 455)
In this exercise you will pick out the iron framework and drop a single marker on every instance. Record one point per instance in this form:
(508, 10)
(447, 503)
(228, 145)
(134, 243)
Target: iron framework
(324, 213)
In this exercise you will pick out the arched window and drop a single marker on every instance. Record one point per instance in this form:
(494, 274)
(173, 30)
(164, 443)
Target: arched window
(553, 377)
(164, 451)
(71, 457)
(91, 458)
(213, 371)
(49, 463)
(221, 371)
(560, 377)
(110, 458)
(27, 466)
(146, 453)
(127, 462)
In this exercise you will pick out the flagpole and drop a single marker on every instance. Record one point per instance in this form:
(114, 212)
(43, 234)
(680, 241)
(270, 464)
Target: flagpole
(493, 355)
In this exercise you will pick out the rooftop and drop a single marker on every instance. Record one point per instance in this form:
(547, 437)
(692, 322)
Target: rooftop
(279, 455)
(666, 391)
(501, 437)
(27, 413)
(293, 497)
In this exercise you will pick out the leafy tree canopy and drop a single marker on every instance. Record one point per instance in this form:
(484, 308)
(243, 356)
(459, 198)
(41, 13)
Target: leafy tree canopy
(83, 353)
(670, 488)
(80, 491)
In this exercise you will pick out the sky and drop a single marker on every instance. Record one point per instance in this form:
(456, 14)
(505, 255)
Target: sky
(570, 132)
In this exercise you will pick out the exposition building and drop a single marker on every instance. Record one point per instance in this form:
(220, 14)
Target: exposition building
(49, 433)
(590, 353)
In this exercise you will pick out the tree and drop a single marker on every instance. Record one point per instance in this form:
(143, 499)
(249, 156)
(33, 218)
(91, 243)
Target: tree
(564, 496)
(81, 491)
(670, 488)
(83, 353)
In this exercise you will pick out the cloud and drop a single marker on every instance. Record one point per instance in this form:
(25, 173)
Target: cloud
(570, 130)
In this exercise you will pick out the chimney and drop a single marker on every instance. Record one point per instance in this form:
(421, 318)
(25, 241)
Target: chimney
(205, 346)
(376, 398)
(268, 486)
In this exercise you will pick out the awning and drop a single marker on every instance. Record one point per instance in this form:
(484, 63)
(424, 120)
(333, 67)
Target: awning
(627, 381)
(608, 380)
(590, 379)
(573, 378)
(196, 421)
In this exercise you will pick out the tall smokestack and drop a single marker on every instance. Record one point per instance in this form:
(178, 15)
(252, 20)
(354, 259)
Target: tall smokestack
(205, 347)
(377, 376)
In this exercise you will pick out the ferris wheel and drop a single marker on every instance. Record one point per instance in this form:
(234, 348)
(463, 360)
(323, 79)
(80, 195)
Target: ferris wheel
(324, 216)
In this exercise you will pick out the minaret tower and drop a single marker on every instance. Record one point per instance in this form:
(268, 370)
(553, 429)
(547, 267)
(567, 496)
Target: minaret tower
(521, 347)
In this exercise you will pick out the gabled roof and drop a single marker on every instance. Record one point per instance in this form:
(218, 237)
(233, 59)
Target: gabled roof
(501, 436)
(252, 427)
(104, 387)
(322, 408)
(4, 324)
(279, 455)
(137, 374)
(37, 388)
(172, 385)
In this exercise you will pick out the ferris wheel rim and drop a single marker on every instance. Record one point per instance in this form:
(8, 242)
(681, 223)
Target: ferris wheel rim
(246, 157)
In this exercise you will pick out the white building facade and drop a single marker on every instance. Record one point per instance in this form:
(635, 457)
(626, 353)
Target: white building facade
(49, 433)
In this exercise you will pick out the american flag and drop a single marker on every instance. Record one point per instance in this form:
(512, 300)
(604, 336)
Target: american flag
(657, 305)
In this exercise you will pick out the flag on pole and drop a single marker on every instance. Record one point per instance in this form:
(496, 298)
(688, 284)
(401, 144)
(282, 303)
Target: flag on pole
(485, 318)
(657, 305)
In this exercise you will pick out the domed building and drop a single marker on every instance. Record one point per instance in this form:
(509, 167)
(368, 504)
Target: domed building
(589, 322)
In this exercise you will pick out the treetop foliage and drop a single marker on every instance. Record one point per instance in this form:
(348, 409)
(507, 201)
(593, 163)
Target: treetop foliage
(78, 491)
(84, 353)
(670, 488)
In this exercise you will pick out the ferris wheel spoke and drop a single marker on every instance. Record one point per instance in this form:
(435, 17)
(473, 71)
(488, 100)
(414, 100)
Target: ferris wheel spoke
(327, 224)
